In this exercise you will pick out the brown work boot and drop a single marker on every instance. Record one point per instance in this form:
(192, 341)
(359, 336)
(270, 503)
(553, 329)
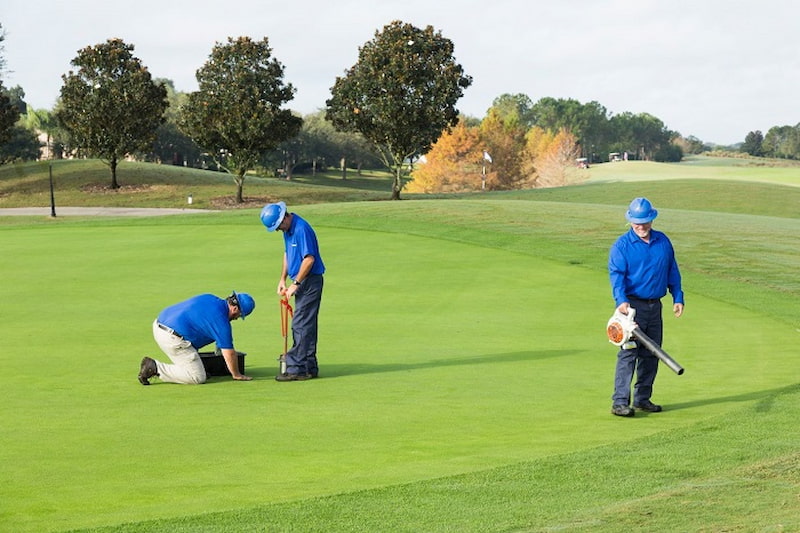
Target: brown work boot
(648, 406)
(293, 377)
(147, 370)
(622, 410)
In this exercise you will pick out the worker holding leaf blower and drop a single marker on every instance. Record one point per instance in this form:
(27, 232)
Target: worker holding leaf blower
(302, 263)
(642, 268)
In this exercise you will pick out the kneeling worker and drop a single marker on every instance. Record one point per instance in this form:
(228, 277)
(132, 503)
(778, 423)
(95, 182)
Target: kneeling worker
(184, 327)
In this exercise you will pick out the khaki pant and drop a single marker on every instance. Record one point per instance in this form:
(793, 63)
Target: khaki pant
(187, 366)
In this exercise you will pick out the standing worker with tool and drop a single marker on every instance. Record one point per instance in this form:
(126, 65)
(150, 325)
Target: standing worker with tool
(642, 267)
(302, 263)
(184, 327)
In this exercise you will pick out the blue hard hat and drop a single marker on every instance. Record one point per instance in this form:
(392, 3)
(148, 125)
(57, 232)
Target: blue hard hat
(641, 211)
(272, 215)
(246, 303)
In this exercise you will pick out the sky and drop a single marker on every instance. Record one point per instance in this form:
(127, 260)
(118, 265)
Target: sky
(712, 69)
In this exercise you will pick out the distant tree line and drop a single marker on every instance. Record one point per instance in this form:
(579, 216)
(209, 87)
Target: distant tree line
(782, 142)
(393, 107)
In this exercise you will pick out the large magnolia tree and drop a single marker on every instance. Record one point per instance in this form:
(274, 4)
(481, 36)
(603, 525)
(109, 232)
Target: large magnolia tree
(401, 94)
(236, 114)
(110, 106)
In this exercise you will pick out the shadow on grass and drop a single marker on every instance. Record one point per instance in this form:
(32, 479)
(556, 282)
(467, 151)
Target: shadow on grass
(333, 370)
(766, 398)
(328, 370)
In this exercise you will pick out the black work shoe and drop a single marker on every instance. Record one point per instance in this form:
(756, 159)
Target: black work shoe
(622, 410)
(147, 370)
(292, 377)
(648, 406)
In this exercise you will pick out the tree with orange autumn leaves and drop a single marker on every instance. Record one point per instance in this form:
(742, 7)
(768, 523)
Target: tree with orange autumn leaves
(520, 159)
(452, 165)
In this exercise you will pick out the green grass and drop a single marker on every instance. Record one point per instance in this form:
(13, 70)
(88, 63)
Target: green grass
(466, 376)
(87, 183)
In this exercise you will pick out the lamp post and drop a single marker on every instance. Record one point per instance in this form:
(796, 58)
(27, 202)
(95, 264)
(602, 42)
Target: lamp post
(52, 194)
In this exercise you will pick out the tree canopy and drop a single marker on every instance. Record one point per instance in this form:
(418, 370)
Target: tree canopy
(110, 106)
(236, 114)
(401, 94)
(8, 112)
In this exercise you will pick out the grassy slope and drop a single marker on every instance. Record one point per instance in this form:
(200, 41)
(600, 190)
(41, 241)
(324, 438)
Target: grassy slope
(86, 183)
(569, 491)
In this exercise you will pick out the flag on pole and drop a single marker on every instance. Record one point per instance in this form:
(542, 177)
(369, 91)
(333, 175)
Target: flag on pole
(486, 156)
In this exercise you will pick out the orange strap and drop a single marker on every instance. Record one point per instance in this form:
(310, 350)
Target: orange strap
(286, 312)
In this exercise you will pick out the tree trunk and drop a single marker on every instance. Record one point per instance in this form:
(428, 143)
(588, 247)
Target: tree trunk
(239, 187)
(397, 183)
(113, 164)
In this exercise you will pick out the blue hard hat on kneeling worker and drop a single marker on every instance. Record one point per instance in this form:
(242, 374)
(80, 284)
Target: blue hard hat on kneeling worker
(246, 303)
(641, 211)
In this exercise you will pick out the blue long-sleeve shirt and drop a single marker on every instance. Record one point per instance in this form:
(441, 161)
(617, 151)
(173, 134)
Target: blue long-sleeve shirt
(642, 269)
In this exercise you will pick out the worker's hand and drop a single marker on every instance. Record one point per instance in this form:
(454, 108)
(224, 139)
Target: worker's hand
(281, 287)
(242, 377)
(623, 308)
(677, 309)
(290, 290)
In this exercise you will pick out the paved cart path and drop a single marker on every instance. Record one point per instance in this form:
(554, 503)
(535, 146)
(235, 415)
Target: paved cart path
(99, 211)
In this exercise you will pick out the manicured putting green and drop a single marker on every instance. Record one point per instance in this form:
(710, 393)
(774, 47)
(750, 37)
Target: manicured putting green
(437, 358)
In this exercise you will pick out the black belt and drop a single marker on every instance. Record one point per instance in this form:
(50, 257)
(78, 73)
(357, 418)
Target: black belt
(170, 330)
(645, 300)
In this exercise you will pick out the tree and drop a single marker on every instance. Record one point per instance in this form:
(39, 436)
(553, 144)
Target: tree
(537, 141)
(401, 94)
(2, 49)
(110, 107)
(22, 145)
(17, 96)
(236, 114)
(9, 113)
(782, 142)
(589, 122)
(691, 144)
(43, 121)
(504, 140)
(642, 134)
(515, 107)
(171, 145)
(453, 163)
(555, 165)
(331, 147)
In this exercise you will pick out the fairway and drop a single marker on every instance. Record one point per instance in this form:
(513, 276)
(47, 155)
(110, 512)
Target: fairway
(457, 337)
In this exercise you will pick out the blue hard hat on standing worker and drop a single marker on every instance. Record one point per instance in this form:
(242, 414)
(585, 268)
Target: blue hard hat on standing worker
(641, 211)
(272, 215)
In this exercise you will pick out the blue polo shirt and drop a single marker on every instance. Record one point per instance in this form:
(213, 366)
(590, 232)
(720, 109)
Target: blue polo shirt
(300, 241)
(642, 269)
(200, 320)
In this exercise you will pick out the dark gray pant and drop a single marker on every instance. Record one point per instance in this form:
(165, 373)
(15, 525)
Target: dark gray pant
(648, 317)
(302, 356)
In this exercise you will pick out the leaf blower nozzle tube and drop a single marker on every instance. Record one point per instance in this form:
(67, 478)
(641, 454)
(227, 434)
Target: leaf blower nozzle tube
(656, 350)
(621, 328)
